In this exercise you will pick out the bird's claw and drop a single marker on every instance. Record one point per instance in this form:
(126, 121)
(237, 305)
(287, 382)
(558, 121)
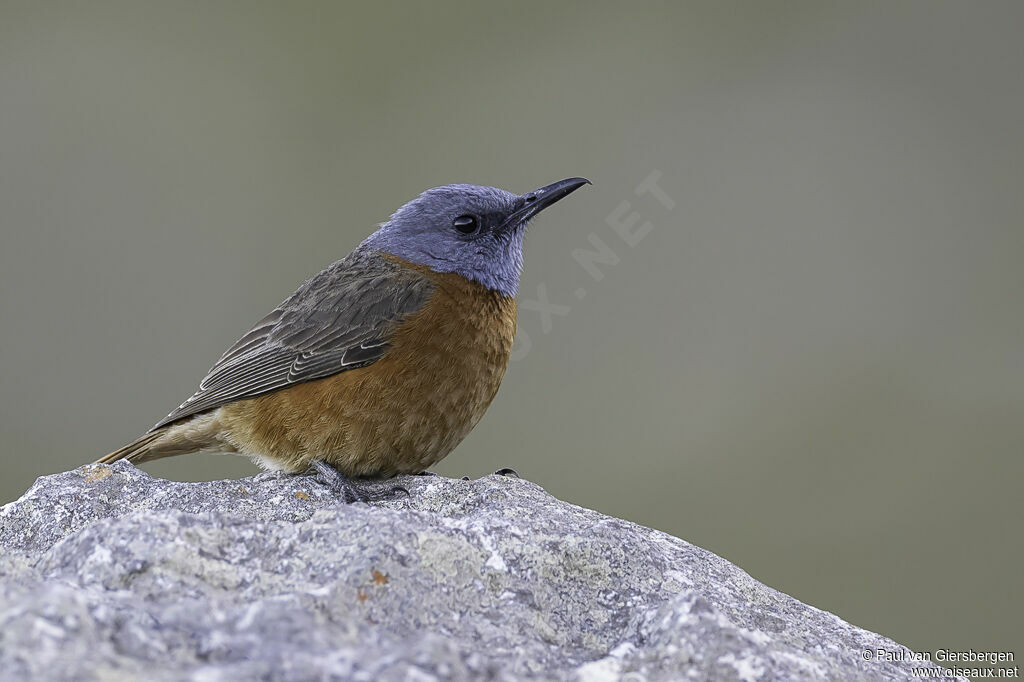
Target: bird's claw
(347, 489)
(398, 489)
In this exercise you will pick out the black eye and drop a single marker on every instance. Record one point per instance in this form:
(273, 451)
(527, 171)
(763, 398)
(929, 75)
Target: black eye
(467, 224)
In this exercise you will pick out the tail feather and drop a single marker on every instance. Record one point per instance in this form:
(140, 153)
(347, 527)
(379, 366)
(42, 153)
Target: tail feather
(139, 450)
(201, 432)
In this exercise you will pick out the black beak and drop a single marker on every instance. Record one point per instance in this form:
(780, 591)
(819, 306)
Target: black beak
(536, 201)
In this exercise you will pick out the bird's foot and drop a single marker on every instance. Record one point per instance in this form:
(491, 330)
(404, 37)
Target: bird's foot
(505, 471)
(347, 489)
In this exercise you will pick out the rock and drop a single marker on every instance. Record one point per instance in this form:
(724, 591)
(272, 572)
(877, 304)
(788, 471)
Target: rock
(107, 573)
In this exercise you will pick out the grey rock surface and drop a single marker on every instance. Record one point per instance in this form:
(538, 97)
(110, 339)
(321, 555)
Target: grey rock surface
(109, 574)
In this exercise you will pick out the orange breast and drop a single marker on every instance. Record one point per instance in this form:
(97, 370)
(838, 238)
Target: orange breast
(404, 412)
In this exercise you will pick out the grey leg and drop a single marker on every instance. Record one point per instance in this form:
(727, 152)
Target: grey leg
(346, 489)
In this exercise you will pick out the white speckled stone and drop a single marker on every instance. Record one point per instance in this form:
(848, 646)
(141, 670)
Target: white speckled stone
(109, 574)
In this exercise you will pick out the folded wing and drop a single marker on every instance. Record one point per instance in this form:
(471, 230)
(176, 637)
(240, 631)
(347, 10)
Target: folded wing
(339, 320)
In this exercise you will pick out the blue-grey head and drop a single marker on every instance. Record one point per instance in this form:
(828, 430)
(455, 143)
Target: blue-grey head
(473, 231)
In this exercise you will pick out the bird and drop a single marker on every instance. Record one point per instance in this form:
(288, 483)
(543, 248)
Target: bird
(381, 363)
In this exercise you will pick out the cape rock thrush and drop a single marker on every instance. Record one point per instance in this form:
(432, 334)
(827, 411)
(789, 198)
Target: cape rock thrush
(381, 363)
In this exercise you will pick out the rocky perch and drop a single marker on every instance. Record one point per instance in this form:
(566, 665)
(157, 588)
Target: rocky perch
(109, 574)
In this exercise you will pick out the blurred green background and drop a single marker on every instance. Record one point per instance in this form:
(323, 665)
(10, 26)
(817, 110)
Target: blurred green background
(812, 364)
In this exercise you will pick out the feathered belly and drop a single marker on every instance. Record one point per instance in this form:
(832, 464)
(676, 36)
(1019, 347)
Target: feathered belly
(401, 414)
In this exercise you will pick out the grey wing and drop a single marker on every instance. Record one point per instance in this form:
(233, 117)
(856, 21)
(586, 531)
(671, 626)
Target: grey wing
(339, 320)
